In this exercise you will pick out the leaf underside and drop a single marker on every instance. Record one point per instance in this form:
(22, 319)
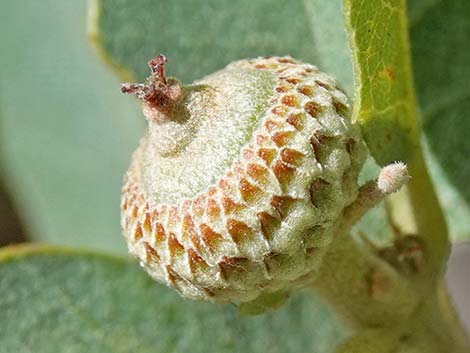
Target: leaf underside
(58, 300)
(384, 103)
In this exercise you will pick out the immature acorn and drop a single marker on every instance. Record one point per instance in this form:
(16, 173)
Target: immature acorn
(243, 178)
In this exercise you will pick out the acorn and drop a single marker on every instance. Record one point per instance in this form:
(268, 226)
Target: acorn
(243, 178)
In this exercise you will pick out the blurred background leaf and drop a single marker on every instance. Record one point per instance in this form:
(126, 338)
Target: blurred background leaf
(439, 33)
(67, 134)
(56, 300)
(198, 37)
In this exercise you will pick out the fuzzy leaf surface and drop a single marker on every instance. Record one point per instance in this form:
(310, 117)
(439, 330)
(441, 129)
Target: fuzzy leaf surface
(61, 300)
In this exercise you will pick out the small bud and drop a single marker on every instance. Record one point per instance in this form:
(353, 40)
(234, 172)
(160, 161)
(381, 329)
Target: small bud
(392, 177)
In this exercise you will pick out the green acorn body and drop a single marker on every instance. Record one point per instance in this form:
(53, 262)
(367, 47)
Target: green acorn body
(242, 179)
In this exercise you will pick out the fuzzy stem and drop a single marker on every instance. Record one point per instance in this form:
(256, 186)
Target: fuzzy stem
(384, 308)
(390, 180)
(363, 289)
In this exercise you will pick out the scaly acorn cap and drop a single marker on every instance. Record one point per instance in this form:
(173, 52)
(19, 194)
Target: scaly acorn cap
(242, 178)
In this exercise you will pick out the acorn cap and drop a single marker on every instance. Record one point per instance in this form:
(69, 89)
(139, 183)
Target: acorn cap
(240, 182)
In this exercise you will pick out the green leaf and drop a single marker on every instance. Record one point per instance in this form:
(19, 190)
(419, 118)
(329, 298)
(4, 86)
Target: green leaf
(384, 103)
(61, 300)
(198, 37)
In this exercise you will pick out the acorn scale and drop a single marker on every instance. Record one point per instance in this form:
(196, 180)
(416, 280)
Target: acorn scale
(242, 179)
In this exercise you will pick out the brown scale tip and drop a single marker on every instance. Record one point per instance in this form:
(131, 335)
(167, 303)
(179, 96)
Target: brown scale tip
(156, 91)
